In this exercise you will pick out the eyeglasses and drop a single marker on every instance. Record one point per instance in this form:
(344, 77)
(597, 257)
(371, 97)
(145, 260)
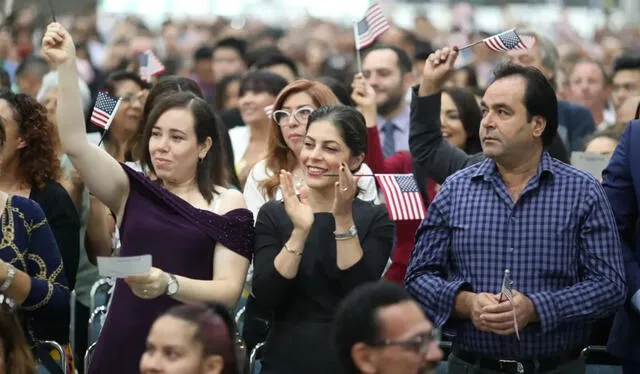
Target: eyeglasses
(418, 344)
(281, 117)
(129, 97)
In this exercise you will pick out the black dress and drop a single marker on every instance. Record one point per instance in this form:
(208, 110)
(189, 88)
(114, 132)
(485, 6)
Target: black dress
(64, 220)
(303, 307)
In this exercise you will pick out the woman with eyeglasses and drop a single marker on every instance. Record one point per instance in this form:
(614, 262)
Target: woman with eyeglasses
(317, 245)
(31, 267)
(291, 111)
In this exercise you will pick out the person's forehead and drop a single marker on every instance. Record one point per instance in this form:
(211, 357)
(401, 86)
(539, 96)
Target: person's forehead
(586, 68)
(625, 76)
(505, 90)
(381, 58)
(402, 320)
(297, 99)
(128, 85)
(226, 52)
(177, 119)
(533, 52)
(324, 131)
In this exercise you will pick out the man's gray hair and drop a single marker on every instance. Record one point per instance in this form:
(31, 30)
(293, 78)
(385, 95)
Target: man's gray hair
(50, 82)
(547, 48)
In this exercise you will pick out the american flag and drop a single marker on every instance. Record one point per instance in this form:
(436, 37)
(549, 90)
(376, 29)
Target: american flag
(370, 27)
(104, 110)
(402, 196)
(150, 65)
(507, 291)
(508, 40)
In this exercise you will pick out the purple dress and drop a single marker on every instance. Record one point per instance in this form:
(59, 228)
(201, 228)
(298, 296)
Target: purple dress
(180, 239)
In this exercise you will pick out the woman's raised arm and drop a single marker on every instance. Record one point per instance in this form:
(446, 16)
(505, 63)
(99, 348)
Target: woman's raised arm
(101, 173)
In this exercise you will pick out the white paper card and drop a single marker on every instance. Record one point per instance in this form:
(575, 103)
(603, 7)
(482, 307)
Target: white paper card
(122, 267)
(592, 163)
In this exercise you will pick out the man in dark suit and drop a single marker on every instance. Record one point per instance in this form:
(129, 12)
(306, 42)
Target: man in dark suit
(621, 181)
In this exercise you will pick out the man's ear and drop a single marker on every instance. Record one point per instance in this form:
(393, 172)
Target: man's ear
(538, 124)
(364, 358)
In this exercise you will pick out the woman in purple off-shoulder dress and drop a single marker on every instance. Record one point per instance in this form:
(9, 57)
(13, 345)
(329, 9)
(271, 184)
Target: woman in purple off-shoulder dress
(198, 232)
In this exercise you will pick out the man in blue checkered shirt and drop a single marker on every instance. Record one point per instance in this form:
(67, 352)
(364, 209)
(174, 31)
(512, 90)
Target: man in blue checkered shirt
(548, 223)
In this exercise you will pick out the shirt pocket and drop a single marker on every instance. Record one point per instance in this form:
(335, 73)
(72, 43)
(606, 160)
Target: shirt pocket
(558, 258)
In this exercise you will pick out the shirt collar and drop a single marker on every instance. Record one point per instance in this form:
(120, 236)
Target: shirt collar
(401, 121)
(488, 169)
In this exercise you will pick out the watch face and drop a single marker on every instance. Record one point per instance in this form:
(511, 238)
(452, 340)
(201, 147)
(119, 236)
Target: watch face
(173, 288)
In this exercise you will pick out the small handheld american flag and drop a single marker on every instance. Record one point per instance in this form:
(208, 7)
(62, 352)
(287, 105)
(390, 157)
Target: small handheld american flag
(402, 196)
(104, 110)
(505, 41)
(150, 66)
(370, 27)
(507, 291)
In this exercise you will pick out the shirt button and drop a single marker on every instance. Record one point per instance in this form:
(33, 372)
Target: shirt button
(510, 249)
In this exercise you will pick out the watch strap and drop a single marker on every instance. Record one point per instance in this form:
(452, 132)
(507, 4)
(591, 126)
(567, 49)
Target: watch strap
(351, 233)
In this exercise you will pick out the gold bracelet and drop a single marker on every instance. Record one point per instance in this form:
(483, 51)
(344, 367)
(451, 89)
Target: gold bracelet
(299, 254)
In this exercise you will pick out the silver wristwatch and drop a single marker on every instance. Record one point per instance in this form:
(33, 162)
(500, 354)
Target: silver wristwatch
(173, 286)
(351, 233)
(11, 273)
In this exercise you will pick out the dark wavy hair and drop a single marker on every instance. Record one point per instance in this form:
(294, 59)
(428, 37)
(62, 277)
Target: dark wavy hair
(39, 160)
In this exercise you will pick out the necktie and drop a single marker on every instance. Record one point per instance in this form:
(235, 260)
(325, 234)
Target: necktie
(389, 143)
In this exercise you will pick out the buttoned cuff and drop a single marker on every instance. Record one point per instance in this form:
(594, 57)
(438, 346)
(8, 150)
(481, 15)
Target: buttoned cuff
(546, 310)
(635, 301)
(447, 300)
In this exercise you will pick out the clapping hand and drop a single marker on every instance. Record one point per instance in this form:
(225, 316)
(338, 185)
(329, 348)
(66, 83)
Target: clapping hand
(346, 190)
(150, 285)
(57, 45)
(297, 209)
(437, 69)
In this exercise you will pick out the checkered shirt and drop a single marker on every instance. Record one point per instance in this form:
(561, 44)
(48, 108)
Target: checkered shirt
(559, 241)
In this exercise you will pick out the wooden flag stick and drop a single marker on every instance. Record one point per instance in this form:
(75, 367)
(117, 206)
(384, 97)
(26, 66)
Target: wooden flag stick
(358, 57)
(470, 45)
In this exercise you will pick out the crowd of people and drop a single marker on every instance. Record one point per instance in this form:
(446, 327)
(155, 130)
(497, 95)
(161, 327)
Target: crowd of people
(247, 171)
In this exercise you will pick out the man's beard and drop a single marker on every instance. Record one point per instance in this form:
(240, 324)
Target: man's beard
(393, 102)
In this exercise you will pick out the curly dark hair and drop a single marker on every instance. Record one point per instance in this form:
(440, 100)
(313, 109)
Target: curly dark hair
(39, 160)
